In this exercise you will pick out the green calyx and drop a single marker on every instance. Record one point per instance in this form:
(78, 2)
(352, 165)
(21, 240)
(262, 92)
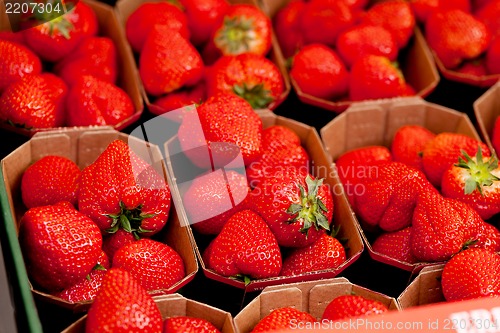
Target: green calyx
(128, 219)
(55, 19)
(257, 95)
(479, 170)
(236, 35)
(242, 277)
(311, 210)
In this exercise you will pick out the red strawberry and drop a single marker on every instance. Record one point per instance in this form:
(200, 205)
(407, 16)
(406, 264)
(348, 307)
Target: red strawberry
(168, 62)
(54, 38)
(282, 318)
(495, 135)
(116, 241)
(75, 245)
(488, 237)
(227, 122)
(95, 56)
(16, 62)
(316, 79)
(395, 245)
(349, 306)
(186, 324)
(277, 136)
(288, 28)
(444, 150)
(252, 77)
(92, 101)
(49, 180)
(424, 8)
(326, 253)
(374, 77)
(36, 101)
(366, 39)
(488, 14)
(179, 99)
(120, 190)
(123, 306)
(14, 37)
(155, 265)
(103, 260)
(297, 207)
(472, 273)
(493, 57)
(475, 67)
(355, 5)
(141, 22)
(455, 35)
(86, 289)
(203, 18)
(408, 145)
(245, 246)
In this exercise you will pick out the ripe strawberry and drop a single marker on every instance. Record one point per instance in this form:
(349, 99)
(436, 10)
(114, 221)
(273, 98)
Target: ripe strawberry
(488, 237)
(16, 62)
(184, 324)
(365, 39)
(245, 246)
(203, 17)
(472, 273)
(316, 79)
(155, 265)
(475, 67)
(444, 150)
(179, 99)
(455, 35)
(355, 5)
(488, 15)
(252, 77)
(493, 57)
(120, 190)
(50, 180)
(424, 8)
(94, 56)
(14, 37)
(54, 38)
(116, 241)
(36, 101)
(123, 306)
(277, 136)
(86, 289)
(168, 62)
(374, 77)
(395, 245)
(227, 122)
(282, 318)
(75, 245)
(297, 207)
(103, 259)
(142, 21)
(326, 253)
(288, 28)
(408, 144)
(349, 306)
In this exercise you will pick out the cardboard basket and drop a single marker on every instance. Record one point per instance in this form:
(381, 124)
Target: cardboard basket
(109, 26)
(177, 305)
(82, 146)
(367, 124)
(312, 297)
(415, 61)
(424, 289)
(124, 8)
(486, 110)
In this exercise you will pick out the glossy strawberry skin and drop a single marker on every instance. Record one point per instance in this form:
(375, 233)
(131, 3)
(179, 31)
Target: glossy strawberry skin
(85, 290)
(395, 245)
(114, 242)
(475, 67)
(282, 318)
(350, 306)
(17, 61)
(493, 57)
(203, 18)
(488, 237)
(408, 144)
(14, 37)
(287, 27)
(185, 324)
(488, 14)
(179, 99)
(424, 8)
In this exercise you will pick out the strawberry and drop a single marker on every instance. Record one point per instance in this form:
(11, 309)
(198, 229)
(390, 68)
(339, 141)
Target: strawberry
(374, 77)
(395, 245)
(252, 77)
(14, 37)
(488, 237)
(179, 99)
(142, 21)
(155, 265)
(314, 78)
(86, 289)
(103, 260)
(120, 190)
(227, 122)
(288, 28)
(54, 37)
(116, 241)
(17, 61)
(326, 253)
(455, 36)
(75, 245)
(355, 5)
(282, 318)
(168, 62)
(184, 324)
(203, 17)
(94, 56)
(49, 180)
(277, 136)
(350, 306)
(123, 306)
(488, 15)
(475, 67)
(493, 56)
(36, 101)
(424, 8)
(444, 150)
(297, 207)
(365, 39)
(408, 144)
(245, 247)
(472, 273)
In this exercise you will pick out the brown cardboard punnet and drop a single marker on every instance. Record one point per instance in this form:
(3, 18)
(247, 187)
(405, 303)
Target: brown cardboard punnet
(109, 26)
(424, 289)
(342, 214)
(125, 8)
(176, 305)
(487, 109)
(367, 124)
(312, 297)
(83, 146)
(415, 61)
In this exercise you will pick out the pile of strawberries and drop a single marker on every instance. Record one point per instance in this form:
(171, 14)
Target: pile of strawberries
(79, 91)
